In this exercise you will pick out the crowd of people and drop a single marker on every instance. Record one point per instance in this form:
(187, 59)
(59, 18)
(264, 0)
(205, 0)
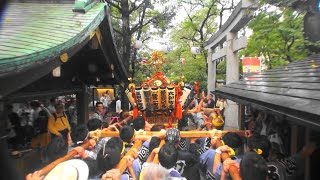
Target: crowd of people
(28, 124)
(220, 156)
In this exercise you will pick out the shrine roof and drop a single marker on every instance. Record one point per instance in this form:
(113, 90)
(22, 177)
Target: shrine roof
(292, 90)
(33, 33)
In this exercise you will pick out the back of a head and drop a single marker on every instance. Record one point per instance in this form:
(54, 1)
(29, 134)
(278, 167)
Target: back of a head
(126, 133)
(79, 134)
(108, 157)
(154, 172)
(93, 167)
(232, 139)
(257, 141)
(195, 149)
(35, 104)
(154, 142)
(168, 155)
(253, 167)
(94, 124)
(183, 122)
(158, 127)
(115, 142)
(139, 123)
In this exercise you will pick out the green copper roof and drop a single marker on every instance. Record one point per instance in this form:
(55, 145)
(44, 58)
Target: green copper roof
(33, 32)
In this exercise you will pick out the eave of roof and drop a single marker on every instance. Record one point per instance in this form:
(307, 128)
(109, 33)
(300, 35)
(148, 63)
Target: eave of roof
(109, 49)
(34, 33)
(293, 90)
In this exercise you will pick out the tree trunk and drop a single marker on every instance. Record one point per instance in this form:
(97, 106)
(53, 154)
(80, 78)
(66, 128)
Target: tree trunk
(126, 34)
(126, 45)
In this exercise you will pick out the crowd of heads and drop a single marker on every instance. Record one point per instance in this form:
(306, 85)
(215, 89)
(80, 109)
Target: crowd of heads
(177, 157)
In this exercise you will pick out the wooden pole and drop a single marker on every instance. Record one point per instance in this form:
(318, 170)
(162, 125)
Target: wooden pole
(122, 165)
(183, 134)
(68, 156)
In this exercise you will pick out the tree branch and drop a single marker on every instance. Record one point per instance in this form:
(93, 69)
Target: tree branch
(114, 4)
(190, 39)
(140, 25)
(135, 7)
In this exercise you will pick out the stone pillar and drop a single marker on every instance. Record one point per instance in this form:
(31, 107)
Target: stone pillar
(211, 82)
(82, 105)
(232, 109)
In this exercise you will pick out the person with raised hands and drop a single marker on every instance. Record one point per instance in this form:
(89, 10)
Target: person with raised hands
(226, 155)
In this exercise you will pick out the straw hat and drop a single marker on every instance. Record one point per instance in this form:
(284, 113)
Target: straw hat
(74, 169)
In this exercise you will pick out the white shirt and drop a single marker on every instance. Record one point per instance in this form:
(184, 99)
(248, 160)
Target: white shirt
(118, 106)
(104, 100)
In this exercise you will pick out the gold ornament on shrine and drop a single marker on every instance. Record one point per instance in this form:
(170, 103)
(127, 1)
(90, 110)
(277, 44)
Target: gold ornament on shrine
(157, 60)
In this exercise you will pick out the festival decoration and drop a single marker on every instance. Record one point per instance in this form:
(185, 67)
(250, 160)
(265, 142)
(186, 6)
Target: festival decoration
(158, 99)
(137, 44)
(195, 50)
(166, 48)
(182, 60)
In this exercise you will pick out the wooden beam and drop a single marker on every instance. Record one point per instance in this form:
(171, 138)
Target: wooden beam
(183, 134)
(122, 165)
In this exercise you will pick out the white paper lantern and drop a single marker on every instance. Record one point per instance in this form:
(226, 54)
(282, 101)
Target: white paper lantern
(166, 48)
(56, 72)
(137, 44)
(195, 50)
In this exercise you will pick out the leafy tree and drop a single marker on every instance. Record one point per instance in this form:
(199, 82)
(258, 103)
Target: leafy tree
(197, 27)
(134, 19)
(277, 37)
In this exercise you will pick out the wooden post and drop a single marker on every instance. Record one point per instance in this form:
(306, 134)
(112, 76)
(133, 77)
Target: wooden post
(307, 162)
(294, 139)
(82, 105)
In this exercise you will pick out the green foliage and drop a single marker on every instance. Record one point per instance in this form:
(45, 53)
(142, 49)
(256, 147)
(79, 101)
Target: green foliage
(138, 20)
(221, 70)
(193, 69)
(194, 30)
(277, 37)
